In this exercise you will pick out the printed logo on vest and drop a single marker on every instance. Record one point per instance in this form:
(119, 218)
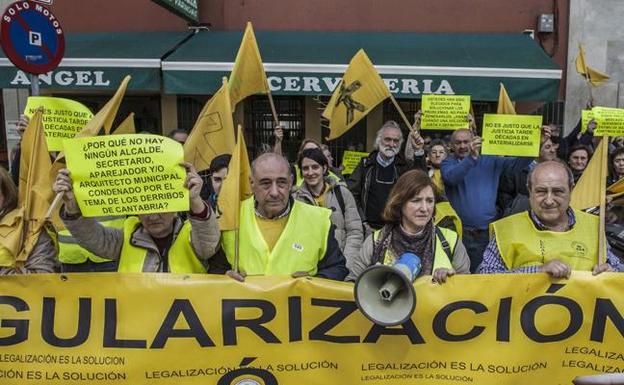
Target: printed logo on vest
(580, 249)
(297, 247)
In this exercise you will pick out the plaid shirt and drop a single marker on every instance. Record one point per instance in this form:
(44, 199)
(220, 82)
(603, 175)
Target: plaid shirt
(493, 262)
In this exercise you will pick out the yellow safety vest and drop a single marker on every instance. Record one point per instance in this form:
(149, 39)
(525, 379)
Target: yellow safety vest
(445, 210)
(440, 259)
(71, 253)
(299, 176)
(182, 257)
(521, 244)
(300, 247)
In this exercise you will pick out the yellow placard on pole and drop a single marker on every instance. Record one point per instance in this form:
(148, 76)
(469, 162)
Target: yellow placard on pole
(62, 118)
(350, 160)
(586, 117)
(127, 174)
(513, 135)
(444, 112)
(609, 121)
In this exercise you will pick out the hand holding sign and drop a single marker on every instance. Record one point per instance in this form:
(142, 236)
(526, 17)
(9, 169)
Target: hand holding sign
(63, 185)
(475, 147)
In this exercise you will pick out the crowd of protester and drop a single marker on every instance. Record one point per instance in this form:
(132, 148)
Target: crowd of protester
(436, 196)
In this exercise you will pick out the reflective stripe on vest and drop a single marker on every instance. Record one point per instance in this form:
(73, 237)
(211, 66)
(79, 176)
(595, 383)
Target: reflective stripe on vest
(439, 260)
(445, 210)
(71, 253)
(300, 247)
(182, 258)
(521, 244)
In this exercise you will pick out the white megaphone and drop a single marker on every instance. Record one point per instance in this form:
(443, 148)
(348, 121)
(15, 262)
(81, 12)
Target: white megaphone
(385, 294)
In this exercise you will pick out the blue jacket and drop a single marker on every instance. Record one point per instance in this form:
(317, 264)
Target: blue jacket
(472, 185)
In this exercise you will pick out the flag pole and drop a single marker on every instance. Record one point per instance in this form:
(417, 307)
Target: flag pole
(273, 110)
(396, 105)
(602, 252)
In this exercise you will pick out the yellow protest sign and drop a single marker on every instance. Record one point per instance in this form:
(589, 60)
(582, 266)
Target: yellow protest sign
(513, 135)
(350, 160)
(444, 112)
(586, 117)
(204, 329)
(62, 118)
(609, 121)
(127, 174)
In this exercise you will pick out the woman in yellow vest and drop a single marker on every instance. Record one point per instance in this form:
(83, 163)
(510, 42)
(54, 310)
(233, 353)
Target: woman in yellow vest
(42, 257)
(409, 227)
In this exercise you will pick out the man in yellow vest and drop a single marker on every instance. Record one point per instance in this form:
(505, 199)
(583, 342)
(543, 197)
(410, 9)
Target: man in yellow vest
(281, 236)
(551, 237)
(159, 242)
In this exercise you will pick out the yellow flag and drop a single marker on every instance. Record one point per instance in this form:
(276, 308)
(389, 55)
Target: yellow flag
(213, 133)
(248, 76)
(127, 126)
(106, 116)
(593, 76)
(35, 191)
(505, 105)
(360, 90)
(236, 186)
(591, 186)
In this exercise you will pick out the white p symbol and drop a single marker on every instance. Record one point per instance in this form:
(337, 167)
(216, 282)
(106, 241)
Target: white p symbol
(34, 38)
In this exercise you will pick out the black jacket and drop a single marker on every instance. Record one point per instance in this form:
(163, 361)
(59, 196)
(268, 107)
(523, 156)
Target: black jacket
(360, 180)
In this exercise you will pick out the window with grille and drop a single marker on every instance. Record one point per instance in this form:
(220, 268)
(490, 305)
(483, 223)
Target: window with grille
(189, 107)
(259, 124)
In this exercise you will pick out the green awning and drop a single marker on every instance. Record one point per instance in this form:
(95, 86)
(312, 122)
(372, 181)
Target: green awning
(311, 63)
(99, 61)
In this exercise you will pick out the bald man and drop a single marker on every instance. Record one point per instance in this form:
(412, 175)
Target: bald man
(551, 237)
(280, 236)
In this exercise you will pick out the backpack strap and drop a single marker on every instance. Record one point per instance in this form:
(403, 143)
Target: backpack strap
(341, 202)
(445, 245)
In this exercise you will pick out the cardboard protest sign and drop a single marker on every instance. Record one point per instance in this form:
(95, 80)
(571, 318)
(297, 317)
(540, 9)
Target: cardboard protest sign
(444, 112)
(62, 118)
(586, 117)
(350, 160)
(609, 121)
(514, 135)
(127, 174)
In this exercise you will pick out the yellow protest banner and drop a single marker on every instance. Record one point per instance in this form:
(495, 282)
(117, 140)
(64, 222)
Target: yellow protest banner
(204, 329)
(513, 135)
(444, 112)
(62, 118)
(350, 160)
(609, 121)
(127, 174)
(586, 117)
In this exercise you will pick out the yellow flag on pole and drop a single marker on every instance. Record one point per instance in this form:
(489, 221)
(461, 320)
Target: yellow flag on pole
(248, 76)
(213, 133)
(592, 184)
(105, 116)
(35, 192)
(360, 90)
(593, 76)
(127, 126)
(505, 105)
(236, 186)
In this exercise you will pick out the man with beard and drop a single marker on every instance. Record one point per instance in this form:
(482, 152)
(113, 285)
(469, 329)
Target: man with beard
(471, 185)
(374, 176)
